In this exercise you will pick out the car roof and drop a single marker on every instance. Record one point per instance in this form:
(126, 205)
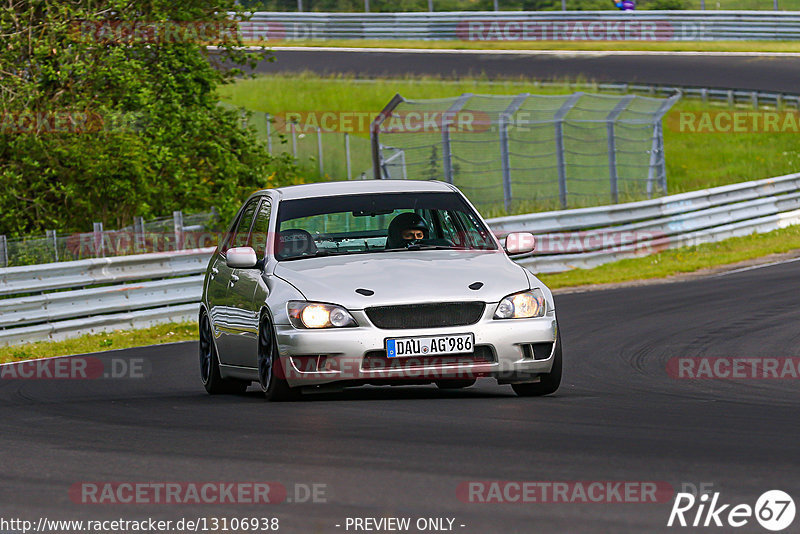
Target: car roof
(352, 187)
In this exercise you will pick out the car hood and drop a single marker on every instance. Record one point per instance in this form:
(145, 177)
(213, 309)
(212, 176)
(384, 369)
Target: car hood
(405, 277)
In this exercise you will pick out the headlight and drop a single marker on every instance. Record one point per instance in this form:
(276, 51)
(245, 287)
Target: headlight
(524, 305)
(318, 315)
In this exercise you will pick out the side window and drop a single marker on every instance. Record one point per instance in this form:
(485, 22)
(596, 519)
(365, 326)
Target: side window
(260, 233)
(238, 236)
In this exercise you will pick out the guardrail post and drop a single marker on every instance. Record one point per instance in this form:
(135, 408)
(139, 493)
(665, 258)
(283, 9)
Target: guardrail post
(611, 118)
(3, 251)
(505, 158)
(447, 156)
(99, 248)
(731, 99)
(560, 157)
(177, 224)
(319, 151)
(269, 132)
(779, 102)
(347, 156)
(138, 235)
(754, 99)
(51, 235)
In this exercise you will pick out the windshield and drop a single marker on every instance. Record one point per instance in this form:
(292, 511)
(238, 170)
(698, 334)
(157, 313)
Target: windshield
(373, 223)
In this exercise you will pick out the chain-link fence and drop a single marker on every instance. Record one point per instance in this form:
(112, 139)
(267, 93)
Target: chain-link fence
(528, 151)
(179, 232)
(331, 154)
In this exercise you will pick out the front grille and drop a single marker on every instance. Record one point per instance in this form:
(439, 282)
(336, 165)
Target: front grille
(426, 315)
(377, 360)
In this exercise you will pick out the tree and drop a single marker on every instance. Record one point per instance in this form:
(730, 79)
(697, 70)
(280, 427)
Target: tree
(109, 110)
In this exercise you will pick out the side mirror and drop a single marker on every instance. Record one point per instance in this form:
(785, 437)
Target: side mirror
(520, 243)
(241, 258)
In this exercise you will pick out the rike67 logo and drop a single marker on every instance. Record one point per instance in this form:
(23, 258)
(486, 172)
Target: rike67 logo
(774, 510)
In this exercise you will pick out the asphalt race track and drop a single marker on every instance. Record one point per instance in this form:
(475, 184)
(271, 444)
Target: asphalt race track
(748, 72)
(404, 451)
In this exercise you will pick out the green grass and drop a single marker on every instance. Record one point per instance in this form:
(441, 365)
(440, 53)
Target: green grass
(665, 46)
(694, 160)
(118, 339)
(681, 260)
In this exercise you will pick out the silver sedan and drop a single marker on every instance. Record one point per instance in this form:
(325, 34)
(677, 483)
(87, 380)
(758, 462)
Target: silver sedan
(321, 286)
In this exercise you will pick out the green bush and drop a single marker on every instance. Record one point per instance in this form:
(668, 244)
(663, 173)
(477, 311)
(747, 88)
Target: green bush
(155, 139)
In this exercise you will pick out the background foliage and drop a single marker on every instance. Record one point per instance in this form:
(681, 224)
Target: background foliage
(165, 142)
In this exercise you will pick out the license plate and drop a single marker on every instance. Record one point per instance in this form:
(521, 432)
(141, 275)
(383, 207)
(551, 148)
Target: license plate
(402, 347)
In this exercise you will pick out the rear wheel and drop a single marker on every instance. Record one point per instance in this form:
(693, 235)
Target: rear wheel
(548, 383)
(209, 365)
(455, 384)
(271, 373)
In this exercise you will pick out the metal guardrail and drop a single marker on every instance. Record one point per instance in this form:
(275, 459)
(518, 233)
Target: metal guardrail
(588, 237)
(84, 273)
(168, 286)
(527, 26)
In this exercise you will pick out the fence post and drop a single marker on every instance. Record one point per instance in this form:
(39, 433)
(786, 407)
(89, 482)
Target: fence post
(269, 132)
(374, 135)
(447, 157)
(138, 235)
(658, 166)
(99, 248)
(319, 151)
(177, 224)
(294, 141)
(3, 251)
(612, 144)
(51, 235)
(347, 156)
(559, 132)
(505, 158)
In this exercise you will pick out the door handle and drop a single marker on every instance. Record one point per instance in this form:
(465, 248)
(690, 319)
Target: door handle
(234, 279)
(214, 272)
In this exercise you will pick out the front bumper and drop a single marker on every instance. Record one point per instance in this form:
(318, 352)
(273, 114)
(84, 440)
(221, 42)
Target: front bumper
(511, 350)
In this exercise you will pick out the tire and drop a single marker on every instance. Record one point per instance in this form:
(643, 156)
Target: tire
(548, 383)
(209, 365)
(455, 383)
(270, 369)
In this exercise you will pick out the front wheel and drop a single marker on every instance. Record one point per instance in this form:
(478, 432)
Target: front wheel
(548, 383)
(271, 373)
(209, 365)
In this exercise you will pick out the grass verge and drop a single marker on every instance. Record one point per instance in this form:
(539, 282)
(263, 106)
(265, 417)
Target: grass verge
(681, 260)
(118, 339)
(628, 46)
